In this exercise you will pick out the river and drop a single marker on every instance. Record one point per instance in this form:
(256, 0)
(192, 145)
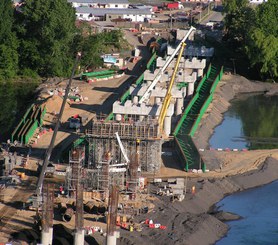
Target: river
(251, 122)
(259, 211)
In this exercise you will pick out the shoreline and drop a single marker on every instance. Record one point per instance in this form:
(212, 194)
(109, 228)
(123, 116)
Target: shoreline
(195, 220)
(266, 172)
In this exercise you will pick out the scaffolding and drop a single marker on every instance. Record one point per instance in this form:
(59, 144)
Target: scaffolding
(76, 162)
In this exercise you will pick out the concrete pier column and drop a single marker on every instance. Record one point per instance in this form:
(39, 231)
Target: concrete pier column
(157, 100)
(179, 105)
(141, 118)
(79, 237)
(167, 125)
(200, 72)
(135, 100)
(190, 90)
(118, 117)
(47, 237)
(111, 239)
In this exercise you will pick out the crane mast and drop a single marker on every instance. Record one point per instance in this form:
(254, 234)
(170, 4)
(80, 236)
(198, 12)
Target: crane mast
(50, 148)
(168, 96)
(162, 69)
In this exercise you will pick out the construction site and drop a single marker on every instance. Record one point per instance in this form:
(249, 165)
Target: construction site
(113, 157)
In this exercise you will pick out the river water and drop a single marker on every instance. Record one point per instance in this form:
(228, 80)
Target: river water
(251, 122)
(259, 211)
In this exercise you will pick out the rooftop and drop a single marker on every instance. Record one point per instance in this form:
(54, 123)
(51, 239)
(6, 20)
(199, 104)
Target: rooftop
(99, 1)
(104, 11)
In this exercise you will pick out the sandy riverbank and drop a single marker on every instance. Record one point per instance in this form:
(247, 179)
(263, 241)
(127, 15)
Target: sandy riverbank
(193, 221)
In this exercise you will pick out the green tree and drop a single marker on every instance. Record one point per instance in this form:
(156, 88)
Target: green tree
(262, 43)
(8, 112)
(238, 19)
(47, 36)
(8, 41)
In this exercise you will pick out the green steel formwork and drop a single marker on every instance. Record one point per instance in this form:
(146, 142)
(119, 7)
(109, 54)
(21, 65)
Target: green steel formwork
(79, 141)
(16, 130)
(25, 130)
(140, 79)
(34, 113)
(151, 61)
(192, 116)
(109, 117)
(26, 115)
(125, 96)
(29, 134)
(97, 73)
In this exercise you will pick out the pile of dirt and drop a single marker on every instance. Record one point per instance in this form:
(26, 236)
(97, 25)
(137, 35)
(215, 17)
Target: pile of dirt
(54, 103)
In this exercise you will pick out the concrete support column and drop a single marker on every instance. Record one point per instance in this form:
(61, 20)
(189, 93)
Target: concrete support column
(190, 89)
(47, 237)
(79, 237)
(141, 118)
(157, 100)
(135, 100)
(111, 239)
(167, 125)
(200, 72)
(118, 117)
(179, 105)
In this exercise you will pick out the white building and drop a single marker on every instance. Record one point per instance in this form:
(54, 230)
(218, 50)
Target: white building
(135, 15)
(257, 1)
(117, 4)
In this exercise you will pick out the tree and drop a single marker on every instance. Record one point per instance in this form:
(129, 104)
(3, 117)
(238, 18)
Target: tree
(262, 43)
(8, 41)
(239, 17)
(47, 35)
(255, 30)
(7, 115)
(95, 45)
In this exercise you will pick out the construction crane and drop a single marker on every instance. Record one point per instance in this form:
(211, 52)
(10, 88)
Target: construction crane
(50, 148)
(168, 96)
(147, 93)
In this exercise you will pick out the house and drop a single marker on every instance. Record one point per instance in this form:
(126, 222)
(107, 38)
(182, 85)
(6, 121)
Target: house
(115, 4)
(108, 14)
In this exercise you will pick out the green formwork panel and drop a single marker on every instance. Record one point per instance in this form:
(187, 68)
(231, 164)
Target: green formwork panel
(97, 73)
(125, 96)
(109, 117)
(151, 60)
(30, 132)
(26, 115)
(140, 79)
(25, 130)
(22, 130)
(16, 130)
